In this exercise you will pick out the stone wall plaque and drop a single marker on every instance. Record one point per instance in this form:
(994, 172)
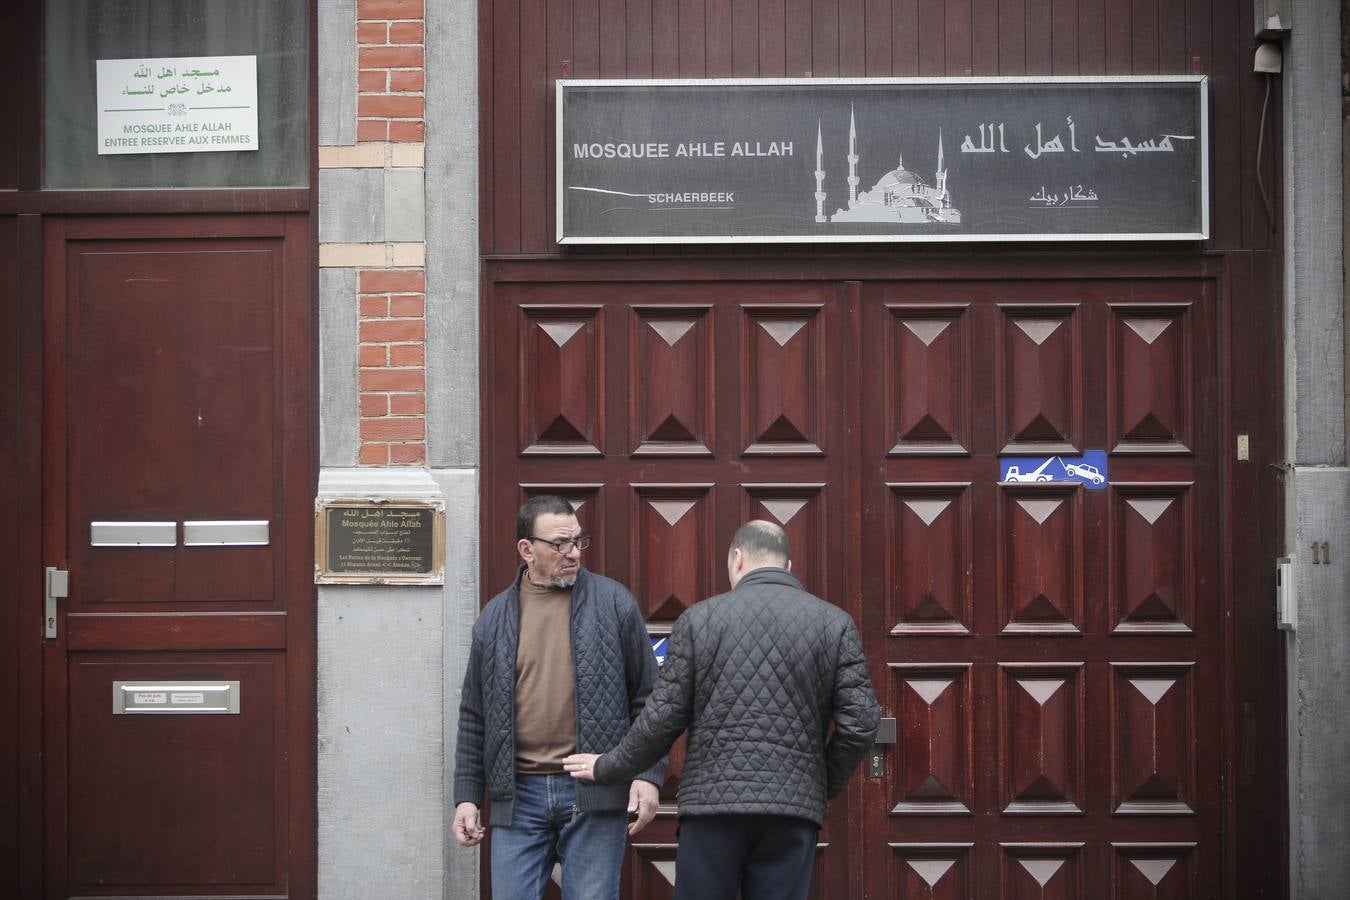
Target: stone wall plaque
(379, 542)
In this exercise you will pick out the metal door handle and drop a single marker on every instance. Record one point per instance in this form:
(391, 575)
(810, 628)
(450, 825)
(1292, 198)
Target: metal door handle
(58, 586)
(885, 732)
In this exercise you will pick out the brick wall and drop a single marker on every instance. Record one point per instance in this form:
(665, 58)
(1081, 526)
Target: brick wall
(393, 366)
(386, 247)
(390, 77)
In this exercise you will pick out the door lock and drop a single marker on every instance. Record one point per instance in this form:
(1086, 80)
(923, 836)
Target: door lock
(876, 757)
(58, 586)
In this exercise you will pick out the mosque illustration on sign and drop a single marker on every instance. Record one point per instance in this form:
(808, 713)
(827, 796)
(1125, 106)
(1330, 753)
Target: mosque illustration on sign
(898, 196)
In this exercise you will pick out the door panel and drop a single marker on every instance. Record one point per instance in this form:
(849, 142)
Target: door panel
(177, 371)
(670, 414)
(1043, 646)
(177, 803)
(183, 371)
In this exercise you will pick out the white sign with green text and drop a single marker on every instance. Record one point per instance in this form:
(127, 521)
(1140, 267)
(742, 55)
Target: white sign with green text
(195, 104)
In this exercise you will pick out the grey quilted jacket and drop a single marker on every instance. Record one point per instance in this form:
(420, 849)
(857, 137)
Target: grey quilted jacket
(757, 676)
(615, 671)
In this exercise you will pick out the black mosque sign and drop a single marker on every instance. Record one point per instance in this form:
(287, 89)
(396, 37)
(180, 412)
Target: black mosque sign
(868, 160)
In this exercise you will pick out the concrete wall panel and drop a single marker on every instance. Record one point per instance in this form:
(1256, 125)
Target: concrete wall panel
(460, 487)
(452, 233)
(337, 367)
(337, 72)
(1320, 821)
(381, 721)
(351, 206)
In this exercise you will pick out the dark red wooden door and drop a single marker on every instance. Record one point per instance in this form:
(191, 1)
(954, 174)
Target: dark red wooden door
(1052, 653)
(178, 390)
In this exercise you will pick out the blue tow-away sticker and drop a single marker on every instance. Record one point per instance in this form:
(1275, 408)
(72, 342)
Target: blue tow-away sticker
(659, 643)
(1088, 469)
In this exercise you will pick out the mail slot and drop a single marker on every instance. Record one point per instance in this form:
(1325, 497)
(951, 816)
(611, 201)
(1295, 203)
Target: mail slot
(175, 697)
(226, 533)
(133, 534)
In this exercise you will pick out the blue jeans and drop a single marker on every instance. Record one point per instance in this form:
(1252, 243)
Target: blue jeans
(547, 828)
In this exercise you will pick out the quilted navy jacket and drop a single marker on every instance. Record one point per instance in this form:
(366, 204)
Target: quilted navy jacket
(757, 676)
(615, 671)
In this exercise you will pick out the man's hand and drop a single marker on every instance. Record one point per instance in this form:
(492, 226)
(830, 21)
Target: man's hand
(581, 766)
(466, 828)
(643, 798)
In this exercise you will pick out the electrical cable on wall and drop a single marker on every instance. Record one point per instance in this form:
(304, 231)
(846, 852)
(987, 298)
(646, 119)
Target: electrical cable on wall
(1260, 143)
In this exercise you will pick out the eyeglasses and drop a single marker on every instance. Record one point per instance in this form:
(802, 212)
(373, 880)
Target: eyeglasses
(564, 546)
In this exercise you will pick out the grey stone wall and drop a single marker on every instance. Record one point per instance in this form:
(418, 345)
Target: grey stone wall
(391, 659)
(337, 367)
(452, 233)
(337, 72)
(1320, 716)
(451, 176)
(381, 689)
(1318, 487)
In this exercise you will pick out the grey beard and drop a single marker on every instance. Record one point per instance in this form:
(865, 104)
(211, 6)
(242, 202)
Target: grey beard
(561, 583)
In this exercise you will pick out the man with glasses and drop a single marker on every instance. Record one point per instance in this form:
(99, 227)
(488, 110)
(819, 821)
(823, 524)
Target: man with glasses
(560, 663)
(772, 687)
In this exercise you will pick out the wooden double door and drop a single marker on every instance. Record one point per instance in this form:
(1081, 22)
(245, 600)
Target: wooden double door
(1052, 652)
(164, 442)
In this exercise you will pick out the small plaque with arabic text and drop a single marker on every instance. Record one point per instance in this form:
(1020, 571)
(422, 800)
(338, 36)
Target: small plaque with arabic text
(374, 542)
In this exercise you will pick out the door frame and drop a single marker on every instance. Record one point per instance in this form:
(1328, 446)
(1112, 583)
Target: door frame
(22, 196)
(44, 662)
(1248, 313)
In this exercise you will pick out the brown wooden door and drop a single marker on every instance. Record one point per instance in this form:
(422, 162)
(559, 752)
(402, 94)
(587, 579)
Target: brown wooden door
(670, 413)
(178, 389)
(1052, 653)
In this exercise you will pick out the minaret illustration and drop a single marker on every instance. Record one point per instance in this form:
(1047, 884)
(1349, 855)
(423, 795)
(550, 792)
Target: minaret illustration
(898, 196)
(820, 178)
(852, 160)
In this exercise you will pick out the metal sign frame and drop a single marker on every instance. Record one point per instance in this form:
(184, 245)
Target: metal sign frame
(1203, 151)
(324, 574)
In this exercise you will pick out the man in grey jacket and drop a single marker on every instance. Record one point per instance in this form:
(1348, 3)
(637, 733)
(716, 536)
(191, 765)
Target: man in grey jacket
(757, 676)
(560, 662)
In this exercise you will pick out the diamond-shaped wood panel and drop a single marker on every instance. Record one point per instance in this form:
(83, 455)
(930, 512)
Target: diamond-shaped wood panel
(1152, 557)
(782, 374)
(651, 876)
(800, 509)
(1042, 871)
(1164, 871)
(562, 380)
(1040, 379)
(670, 400)
(929, 573)
(926, 364)
(932, 769)
(1150, 378)
(931, 872)
(1041, 559)
(585, 500)
(673, 560)
(1153, 716)
(1042, 752)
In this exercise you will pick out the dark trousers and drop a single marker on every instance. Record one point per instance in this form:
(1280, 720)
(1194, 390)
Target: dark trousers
(762, 857)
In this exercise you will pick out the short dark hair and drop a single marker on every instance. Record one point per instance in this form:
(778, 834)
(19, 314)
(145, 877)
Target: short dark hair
(760, 538)
(540, 505)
